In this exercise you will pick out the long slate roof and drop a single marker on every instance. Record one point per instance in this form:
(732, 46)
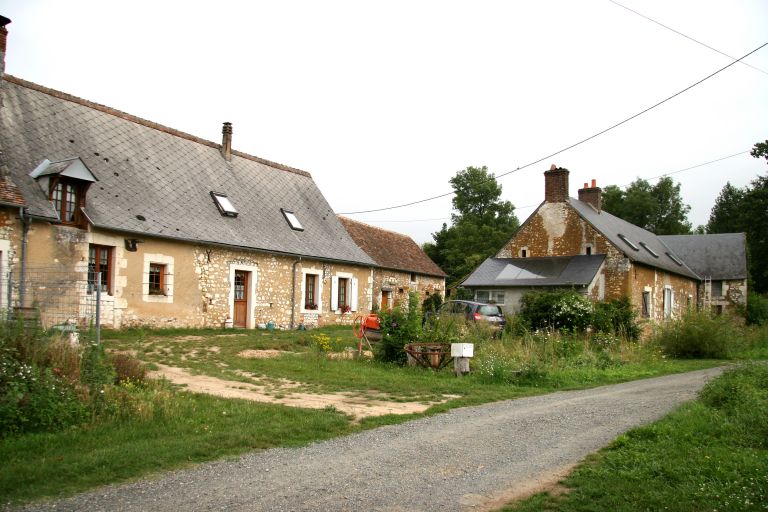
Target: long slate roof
(718, 256)
(164, 176)
(577, 270)
(638, 244)
(390, 249)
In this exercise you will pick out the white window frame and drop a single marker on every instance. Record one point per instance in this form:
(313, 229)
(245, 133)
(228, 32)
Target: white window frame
(292, 220)
(589, 249)
(224, 204)
(649, 291)
(160, 259)
(352, 288)
(493, 296)
(527, 252)
(250, 321)
(318, 272)
(669, 305)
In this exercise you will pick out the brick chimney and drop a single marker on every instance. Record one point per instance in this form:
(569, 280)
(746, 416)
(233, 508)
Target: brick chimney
(556, 185)
(592, 195)
(3, 37)
(226, 142)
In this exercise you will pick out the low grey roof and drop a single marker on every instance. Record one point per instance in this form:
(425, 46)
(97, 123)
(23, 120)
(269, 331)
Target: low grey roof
(543, 271)
(638, 244)
(164, 176)
(719, 256)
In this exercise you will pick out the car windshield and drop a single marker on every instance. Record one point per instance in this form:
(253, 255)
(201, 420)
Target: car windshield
(489, 310)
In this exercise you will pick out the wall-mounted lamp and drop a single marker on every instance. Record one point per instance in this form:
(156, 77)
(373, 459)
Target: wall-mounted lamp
(131, 243)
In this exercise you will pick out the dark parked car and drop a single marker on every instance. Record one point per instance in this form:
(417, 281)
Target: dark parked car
(475, 311)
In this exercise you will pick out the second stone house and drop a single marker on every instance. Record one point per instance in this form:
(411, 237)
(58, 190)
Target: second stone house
(570, 243)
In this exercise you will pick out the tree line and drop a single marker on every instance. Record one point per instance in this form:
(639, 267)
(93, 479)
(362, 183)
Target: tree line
(481, 222)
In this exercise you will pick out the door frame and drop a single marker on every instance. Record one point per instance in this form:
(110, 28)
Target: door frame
(253, 270)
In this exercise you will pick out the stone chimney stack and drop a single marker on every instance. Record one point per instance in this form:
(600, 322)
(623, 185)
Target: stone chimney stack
(592, 195)
(3, 37)
(226, 142)
(556, 185)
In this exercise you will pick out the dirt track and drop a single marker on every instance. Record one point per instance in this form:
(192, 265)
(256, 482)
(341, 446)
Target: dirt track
(475, 458)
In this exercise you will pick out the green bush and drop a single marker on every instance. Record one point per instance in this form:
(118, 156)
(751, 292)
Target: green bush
(741, 393)
(700, 335)
(34, 399)
(556, 309)
(757, 309)
(398, 327)
(616, 316)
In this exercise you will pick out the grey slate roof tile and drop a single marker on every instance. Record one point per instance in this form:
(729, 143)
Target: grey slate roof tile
(611, 227)
(166, 176)
(718, 256)
(577, 270)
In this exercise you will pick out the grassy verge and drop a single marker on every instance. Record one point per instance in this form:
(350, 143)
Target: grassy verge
(712, 454)
(200, 428)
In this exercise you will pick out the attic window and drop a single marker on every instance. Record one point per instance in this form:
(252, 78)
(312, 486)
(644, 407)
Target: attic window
(224, 205)
(651, 251)
(674, 258)
(629, 242)
(293, 221)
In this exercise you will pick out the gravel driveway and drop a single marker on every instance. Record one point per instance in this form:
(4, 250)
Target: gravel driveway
(474, 458)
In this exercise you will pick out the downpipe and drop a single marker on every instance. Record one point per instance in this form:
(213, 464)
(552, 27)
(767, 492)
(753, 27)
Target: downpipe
(293, 292)
(25, 222)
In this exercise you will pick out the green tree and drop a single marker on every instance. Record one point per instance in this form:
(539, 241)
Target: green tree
(658, 208)
(743, 210)
(481, 224)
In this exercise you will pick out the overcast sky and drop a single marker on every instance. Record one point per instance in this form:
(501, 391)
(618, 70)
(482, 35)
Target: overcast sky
(383, 102)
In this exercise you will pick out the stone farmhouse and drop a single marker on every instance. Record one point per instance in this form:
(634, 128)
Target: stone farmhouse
(182, 231)
(572, 243)
(402, 266)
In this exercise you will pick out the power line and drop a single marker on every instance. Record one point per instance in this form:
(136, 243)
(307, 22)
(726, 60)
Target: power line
(685, 36)
(577, 143)
(537, 204)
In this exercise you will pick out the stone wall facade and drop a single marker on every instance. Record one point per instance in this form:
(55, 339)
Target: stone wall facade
(556, 229)
(392, 287)
(197, 280)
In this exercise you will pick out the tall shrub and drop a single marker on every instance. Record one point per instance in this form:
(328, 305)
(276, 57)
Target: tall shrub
(399, 326)
(556, 309)
(616, 316)
(699, 335)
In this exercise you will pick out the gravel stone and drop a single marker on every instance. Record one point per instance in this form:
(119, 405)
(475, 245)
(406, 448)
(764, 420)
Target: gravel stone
(473, 458)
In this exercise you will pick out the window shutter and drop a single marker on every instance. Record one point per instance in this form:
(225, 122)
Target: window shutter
(334, 293)
(353, 294)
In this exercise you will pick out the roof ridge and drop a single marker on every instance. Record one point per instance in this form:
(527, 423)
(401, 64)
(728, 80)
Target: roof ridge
(402, 235)
(145, 122)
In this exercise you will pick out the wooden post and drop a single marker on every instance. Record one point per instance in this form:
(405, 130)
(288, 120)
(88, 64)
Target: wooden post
(460, 366)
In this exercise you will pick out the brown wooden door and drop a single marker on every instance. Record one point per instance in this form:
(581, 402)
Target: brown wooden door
(241, 299)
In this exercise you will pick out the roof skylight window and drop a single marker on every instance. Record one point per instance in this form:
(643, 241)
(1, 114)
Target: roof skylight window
(224, 205)
(675, 259)
(293, 221)
(629, 242)
(651, 251)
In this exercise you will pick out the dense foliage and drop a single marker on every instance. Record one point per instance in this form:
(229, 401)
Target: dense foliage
(738, 210)
(480, 225)
(658, 208)
(566, 309)
(699, 334)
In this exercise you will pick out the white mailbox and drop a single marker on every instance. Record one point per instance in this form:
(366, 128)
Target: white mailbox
(462, 349)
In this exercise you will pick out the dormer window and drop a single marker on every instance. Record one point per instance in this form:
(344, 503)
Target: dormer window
(224, 205)
(65, 183)
(293, 221)
(65, 195)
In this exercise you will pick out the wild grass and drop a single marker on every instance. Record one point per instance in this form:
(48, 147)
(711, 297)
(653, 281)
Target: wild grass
(712, 454)
(139, 428)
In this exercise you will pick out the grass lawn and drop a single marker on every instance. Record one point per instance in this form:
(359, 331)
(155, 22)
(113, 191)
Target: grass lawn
(194, 428)
(712, 454)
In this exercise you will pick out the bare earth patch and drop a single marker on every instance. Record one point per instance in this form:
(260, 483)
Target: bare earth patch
(347, 403)
(262, 354)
